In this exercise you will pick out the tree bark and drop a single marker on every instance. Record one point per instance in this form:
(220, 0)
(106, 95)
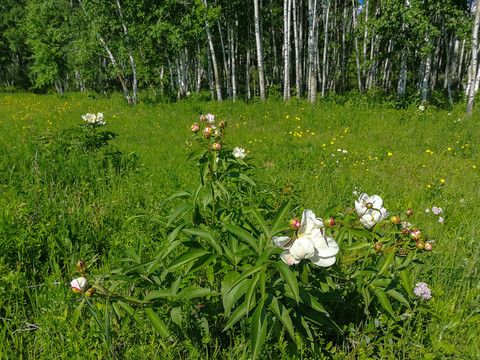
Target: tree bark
(258, 40)
(472, 75)
(213, 57)
(287, 10)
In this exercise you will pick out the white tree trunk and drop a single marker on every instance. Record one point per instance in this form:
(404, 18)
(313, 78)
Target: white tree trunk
(326, 17)
(357, 55)
(287, 10)
(296, 30)
(472, 75)
(214, 58)
(312, 50)
(258, 40)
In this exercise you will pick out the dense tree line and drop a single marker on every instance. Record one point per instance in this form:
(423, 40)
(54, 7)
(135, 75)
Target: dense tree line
(242, 48)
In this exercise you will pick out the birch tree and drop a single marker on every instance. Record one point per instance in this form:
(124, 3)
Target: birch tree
(472, 74)
(258, 41)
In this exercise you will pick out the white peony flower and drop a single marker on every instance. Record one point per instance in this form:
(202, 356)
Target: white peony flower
(370, 210)
(311, 243)
(210, 118)
(94, 119)
(239, 152)
(79, 284)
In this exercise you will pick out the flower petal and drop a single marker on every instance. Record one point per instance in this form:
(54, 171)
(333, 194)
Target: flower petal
(288, 258)
(302, 248)
(325, 246)
(324, 262)
(376, 201)
(282, 241)
(308, 222)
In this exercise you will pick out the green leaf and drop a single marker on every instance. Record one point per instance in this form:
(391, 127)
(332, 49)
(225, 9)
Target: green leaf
(206, 235)
(406, 282)
(382, 298)
(309, 299)
(186, 258)
(386, 262)
(131, 312)
(181, 208)
(261, 222)
(77, 313)
(250, 294)
(157, 294)
(246, 274)
(202, 262)
(157, 323)
(180, 194)
(107, 323)
(358, 246)
(258, 329)
(360, 232)
(237, 315)
(282, 314)
(242, 176)
(176, 315)
(289, 276)
(278, 223)
(195, 291)
(397, 296)
(196, 154)
(242, 234)
(265, 255)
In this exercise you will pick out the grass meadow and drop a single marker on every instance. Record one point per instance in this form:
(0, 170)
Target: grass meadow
(59, 204)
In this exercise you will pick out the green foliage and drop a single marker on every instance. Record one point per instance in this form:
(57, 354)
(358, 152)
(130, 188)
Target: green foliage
(181, 255)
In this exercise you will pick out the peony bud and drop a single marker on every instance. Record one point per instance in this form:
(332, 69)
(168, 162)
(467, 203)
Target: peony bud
(405, 230)
(80, 265)
(203, 118)
(330, 222)
(369, 205)
(420, 245)
(195, 128)
(89, 293)
(415, 234)
(395, 220)
(207, 132)
(409, 212)
(79, 285)
(428, 247)
(222, 124)
(216, 147)
(377, 246)
(294, 224)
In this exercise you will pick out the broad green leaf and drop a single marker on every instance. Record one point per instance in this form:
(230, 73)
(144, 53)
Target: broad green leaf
(265, 255)
(157, 294)
(196, 154)
(185, 258)
(246, 274)
(202, 262)
(261, 222)
(321, 319)
(358, 246)
(406, 282)
(180, 194)
(242, 234)
(157, 323)
(242, 176)
(195, 291)
(278, 223)
(309, 299)
(77, 313)
(207, 236)
(131, 312)
(397, 296)
(107, 323)
(237, 315)
(282, 314)
(258, 329)
(176, 315)
(382, 298)
(386, 262)
(289, 276)
(382, 282)
(250, 294)
(360, 232)
(181, 208)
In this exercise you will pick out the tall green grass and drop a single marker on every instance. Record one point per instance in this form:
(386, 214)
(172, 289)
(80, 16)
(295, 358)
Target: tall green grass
(59, 206)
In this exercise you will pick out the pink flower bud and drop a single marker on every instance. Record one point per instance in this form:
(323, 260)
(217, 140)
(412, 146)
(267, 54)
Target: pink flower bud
(195, 127)
(330, 222)
(420, 245)
(207, 132)
(294, 224)
(377, 246)
(395, 220)
(203, 118)
(79, 285)
(216, 147)
(89, 293)
(409, 212)
(222, 124)
(428, 247)
(415, 234)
